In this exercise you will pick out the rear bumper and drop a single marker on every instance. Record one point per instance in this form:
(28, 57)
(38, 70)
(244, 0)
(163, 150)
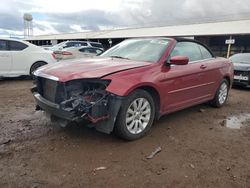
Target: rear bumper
(53, 108)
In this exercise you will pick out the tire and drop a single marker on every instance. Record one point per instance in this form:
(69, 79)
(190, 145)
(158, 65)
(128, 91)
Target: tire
(36, 66)
(221, 94)
(132, 124)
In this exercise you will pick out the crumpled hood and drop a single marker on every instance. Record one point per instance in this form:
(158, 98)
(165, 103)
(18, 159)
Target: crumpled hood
(96, 67)
(242, 66)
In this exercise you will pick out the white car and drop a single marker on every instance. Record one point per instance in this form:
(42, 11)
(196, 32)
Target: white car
(19, 58)
(69, 44)
(77, 52)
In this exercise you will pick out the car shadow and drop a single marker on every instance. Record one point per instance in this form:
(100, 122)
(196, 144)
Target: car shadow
(241, 88)
(19, 78)
(182, 113)
(81, 131)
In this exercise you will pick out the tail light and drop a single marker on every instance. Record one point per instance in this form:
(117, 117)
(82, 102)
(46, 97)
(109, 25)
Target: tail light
(66, 53)
(53, 55)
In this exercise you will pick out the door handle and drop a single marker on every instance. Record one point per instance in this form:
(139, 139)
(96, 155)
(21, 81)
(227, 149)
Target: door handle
(203, 66)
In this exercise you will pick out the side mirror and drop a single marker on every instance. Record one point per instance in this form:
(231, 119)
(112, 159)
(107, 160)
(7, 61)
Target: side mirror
(179, 60)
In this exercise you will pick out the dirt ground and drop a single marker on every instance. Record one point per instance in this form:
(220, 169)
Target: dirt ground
(198, 148)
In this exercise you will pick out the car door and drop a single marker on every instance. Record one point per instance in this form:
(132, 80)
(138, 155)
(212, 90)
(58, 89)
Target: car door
(5, 58)
(184, 83)
(20, 57)
(209, 72)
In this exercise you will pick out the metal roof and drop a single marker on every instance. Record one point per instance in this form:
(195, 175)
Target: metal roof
(201, 29)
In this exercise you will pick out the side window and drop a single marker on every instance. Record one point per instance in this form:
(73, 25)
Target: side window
(189, 49)
(17, 46)
(205, 53)
(3, 45)
(77, 44)
(84, 44)
(88, 50)
(92, 50)
(69, 44)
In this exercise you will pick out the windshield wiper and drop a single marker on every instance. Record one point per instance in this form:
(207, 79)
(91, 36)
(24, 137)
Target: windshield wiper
(120, 57)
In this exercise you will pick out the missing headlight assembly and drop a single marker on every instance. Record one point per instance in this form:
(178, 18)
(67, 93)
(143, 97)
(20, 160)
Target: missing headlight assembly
(78, 100)
(88, 99)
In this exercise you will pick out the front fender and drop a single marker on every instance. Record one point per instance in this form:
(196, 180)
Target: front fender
(123, 87)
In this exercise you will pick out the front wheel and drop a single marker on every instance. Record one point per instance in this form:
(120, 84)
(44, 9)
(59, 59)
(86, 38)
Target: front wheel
(221, 94)
(136, 115)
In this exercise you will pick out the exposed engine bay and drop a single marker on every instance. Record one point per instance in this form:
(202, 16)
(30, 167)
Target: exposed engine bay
(78, 100)
(87, 100)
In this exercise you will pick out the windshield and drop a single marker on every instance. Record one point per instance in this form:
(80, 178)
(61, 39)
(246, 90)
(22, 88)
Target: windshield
(241, 58)
(138, 49)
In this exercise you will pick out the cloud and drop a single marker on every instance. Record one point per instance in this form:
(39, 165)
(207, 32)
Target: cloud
(186, 11)
(80, 15)
(77, 22)
(11, 21)
(10, 33)
(90, 19)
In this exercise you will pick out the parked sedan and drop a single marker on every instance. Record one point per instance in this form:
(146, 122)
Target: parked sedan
(69, 44)
(77, 52)
(241, 63)
(19, 58)
(132, 84)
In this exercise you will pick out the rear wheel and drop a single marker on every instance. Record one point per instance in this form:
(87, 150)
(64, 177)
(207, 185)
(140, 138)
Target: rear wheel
(136, 115)
(221, 94)
(35, 66)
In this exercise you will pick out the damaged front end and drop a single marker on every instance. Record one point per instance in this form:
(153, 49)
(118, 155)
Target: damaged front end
(83, 100)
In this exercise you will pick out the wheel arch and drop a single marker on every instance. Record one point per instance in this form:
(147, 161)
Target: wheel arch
(155, 95)
(228, 79)
(40, 61)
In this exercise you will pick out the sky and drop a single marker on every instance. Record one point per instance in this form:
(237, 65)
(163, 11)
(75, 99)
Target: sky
(59, 16)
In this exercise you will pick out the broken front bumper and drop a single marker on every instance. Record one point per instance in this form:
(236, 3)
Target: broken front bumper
(53, 108)
(103, 124)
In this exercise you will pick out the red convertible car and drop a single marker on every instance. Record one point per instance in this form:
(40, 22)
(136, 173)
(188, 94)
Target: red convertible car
(132, 84)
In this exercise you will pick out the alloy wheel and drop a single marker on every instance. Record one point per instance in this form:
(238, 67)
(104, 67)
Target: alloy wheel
(223, 92)
(138, 115)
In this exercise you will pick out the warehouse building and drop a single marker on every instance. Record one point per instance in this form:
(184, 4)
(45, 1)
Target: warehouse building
(222, 37)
